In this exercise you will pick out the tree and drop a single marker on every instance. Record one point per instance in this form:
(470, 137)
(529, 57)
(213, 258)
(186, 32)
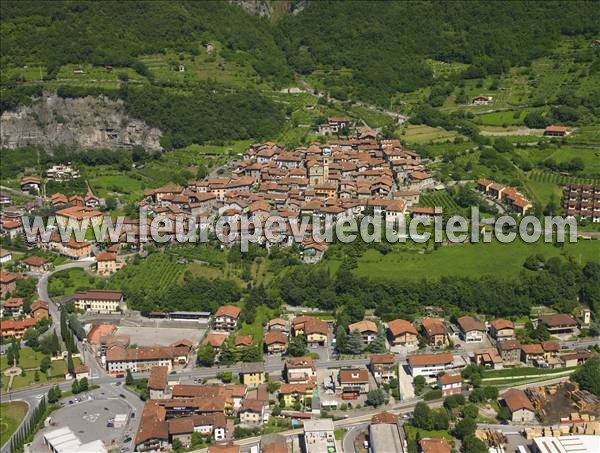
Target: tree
(470, 411)
(440, 419)
(75, 387)
(588, 376)
(54, 394)
(206, 355)
(354, 343)
(504, 414)
(472, 444)
(177, 445)
(454, 401)
(379, 345)
(490, 392)
(297, 346)
(70, 365)
(83, 384)
(375, 397)
(465, 428)
(418, 384)
(535, 120)
(422, 416)
(129, 378)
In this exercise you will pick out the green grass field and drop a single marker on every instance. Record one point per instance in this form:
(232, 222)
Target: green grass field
(411, 433)
(417, 134)
(501, 260)
(11, 415)
(69, 281)
(522, 372)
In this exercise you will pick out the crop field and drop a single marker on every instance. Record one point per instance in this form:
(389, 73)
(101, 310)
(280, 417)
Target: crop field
(440, 199)
(501, 260)
(157, 273)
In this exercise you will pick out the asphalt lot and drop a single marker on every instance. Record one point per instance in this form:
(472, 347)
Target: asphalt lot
(163, 336)
(88, 418)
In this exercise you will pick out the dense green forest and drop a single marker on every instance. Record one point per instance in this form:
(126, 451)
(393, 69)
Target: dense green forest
(383, 44)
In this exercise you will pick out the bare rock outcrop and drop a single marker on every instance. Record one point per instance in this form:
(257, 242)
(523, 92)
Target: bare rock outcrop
(86, 123)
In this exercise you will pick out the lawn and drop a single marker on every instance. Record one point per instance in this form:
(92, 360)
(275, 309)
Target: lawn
(417, 134)
(69, 281)
(508, 117)
(522, 372)
(11, 415)
(501, 260)
(411, 433)
(28, 358)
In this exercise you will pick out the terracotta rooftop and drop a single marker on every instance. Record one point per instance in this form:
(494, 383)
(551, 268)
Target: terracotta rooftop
(363, 326)
(384, 418)
(275, 337)
(468, 323)
(401, 326)
(430, 359)
(35, 261)
(559, 320)
(158, 378)
(382, 359)
(98, 294)
(228, 310)
(353, 376)
(517, 399)
(447, 379)
(434, 446)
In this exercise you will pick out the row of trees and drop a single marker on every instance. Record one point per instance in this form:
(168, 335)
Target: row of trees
(559, 281)
(29, 428)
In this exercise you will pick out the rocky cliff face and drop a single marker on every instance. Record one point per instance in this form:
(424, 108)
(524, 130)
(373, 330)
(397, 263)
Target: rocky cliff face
(90, 122)
(269, 8)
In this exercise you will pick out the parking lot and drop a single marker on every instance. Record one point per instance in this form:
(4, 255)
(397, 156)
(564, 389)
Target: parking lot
(89, 420)
(151, 336)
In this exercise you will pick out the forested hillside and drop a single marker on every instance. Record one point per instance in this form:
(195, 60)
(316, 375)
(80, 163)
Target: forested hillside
(209, 59)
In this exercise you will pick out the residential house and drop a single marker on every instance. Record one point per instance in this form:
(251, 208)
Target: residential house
(15, 329)
(300, 370)
(450, 384)
(99, 301)
(520, 407)
(551, 350)
(277, 324)
(242, 341)
(576, 358)
(39, 310)
(472, 330)
(488, 357)
(252, 374)
(290, 394)
(216, 340)
(556, 131)
(106, 264)
(560, 324)
(275, 342)
(158, 383)
(481, 100)
(531, 354)
(252, 412)
(402, 333)
(226, 318)
(29, 183)
(8, 283)
(383, 367)
(143, 359)
(510, 351)
(429, 365)
(435, 332)
(353, 382)
(315, 330)
(367, 329)
(5, 256)
(35, 264)
(502, 329)
(12, 306)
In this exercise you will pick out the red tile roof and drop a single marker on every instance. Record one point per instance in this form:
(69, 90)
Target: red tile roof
(228, 310)
(430, 359)
(517, 399)
(400, 326)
